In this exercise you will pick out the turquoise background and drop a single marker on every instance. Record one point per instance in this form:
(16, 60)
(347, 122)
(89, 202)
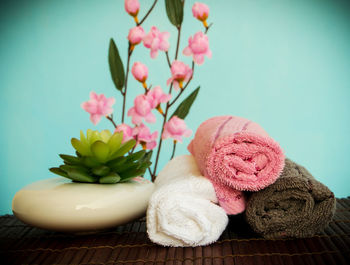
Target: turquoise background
(282, 63)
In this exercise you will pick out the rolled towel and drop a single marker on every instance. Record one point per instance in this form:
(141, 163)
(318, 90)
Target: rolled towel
(236, 154)
(296, 205)
(182, 210)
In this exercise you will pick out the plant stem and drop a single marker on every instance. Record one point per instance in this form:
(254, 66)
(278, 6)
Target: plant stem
(112, 121)
(174, 148)
(207, 28)
(126, 81)
(167, 58)
(149, 11)
(178, 41)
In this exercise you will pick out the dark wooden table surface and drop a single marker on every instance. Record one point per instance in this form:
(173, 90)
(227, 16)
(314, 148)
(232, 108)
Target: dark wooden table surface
(128, 244)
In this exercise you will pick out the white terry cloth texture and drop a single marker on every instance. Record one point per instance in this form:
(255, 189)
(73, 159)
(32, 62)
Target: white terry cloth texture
(182, 211)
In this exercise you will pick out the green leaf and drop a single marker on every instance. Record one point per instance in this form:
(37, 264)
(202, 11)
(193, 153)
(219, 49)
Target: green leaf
(124, 148)
(110, 179)
(116, 162)
(174, 10)
(116, 65)
(82, 148)
(100, 150)
(185, 106)
(127, 166)
(115, 141)
(136, 156)
(72, 160)
(144, 165)
(105, 135)
(147, 157)
(59, 172)
(101, 170)
(131, 174)
(90, 162)
(67, 168)
(78, 174)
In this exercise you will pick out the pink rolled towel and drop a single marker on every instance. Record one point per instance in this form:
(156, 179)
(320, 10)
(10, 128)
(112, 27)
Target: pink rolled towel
(236, 155)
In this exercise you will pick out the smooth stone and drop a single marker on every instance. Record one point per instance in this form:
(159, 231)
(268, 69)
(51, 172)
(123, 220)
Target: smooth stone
(62, 205)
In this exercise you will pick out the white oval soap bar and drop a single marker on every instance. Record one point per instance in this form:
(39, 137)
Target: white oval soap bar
(62, 205)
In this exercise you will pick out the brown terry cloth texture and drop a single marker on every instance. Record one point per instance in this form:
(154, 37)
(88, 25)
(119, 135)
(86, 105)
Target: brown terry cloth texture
(296, 205)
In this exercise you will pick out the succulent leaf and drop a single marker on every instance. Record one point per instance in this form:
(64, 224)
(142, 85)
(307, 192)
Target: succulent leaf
(147, 156)
(124, 148)
(101, 170)
(81, 176)
(110, 179)
(115, 141)
(127, 166)
(83, 138)
(136, 156)
(82, 148)
(95, 136)
(58, 171)
(88, 134)
(71, 160)
(100, 150)
(90, 162)
(116, 162)
(131, 174)
(105, 135)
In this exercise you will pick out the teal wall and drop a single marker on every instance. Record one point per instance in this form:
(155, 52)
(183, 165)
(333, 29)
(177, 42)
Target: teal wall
(282, 63)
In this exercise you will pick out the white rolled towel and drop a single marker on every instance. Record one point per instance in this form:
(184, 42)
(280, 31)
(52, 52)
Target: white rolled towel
(182, 211)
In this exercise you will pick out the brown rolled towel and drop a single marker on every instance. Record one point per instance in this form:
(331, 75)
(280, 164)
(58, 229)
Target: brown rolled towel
(296, 205)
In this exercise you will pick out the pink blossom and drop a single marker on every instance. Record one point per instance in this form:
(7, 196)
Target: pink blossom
(180, 73)
(98, 106)
(128, 132)
(141, 110)
(176, 128)
(144, 136)
(156, 96)
(201, 12)
(132, 7)
(136, 35)
(198, 46)
(156, 40)
(140, 72)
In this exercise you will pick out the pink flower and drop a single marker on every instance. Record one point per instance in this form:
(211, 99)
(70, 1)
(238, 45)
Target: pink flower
(132, 7)
(176, 128)
(140, 73)
(180, 73)
(136, 35)
(144, 136)
(98, 106)
(141, 110)
(156, 96)
(128, 132)
(198, 46)
(201, 12)
(156, 40)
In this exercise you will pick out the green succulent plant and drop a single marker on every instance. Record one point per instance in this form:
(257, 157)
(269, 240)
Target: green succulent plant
(102, 158)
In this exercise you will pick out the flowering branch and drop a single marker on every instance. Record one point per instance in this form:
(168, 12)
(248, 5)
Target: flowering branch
(173, 125)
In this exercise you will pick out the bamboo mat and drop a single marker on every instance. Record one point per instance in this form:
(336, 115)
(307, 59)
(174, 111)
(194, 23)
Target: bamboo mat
(128, 244)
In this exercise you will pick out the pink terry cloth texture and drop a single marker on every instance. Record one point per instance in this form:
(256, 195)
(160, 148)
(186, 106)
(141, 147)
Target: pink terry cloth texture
(237, 155)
